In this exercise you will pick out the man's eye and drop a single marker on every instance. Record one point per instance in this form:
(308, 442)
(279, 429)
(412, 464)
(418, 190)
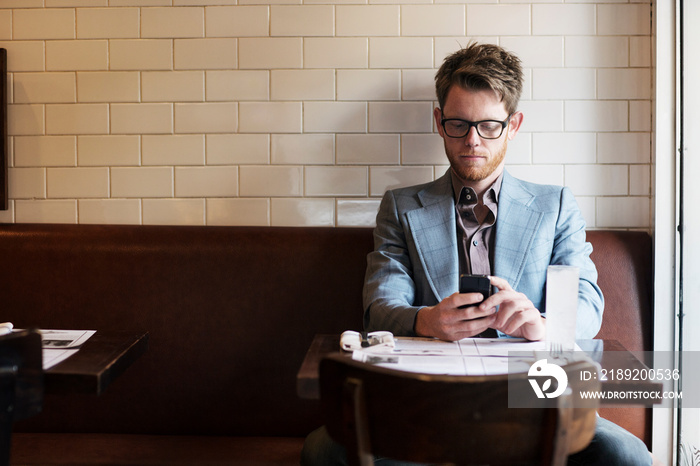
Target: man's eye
(489, 126)
(457, 124)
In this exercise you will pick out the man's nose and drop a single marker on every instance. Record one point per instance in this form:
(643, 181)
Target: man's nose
(472, 138)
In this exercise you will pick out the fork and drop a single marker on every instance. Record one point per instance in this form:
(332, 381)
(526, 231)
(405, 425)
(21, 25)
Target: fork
(555, 349)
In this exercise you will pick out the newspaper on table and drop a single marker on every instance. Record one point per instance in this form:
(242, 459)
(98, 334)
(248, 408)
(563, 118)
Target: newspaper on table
(58, 345)
(470, 356)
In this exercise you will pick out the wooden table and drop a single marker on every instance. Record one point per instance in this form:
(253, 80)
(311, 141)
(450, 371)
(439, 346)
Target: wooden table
(100, 360)
(613, 354)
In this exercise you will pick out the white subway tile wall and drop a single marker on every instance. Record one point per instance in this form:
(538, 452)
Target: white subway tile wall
(303, 112)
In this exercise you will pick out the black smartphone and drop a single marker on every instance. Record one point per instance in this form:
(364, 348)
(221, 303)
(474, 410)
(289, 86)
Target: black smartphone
(475, 284)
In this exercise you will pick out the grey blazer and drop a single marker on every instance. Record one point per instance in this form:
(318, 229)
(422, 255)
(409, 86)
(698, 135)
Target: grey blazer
(415, 260)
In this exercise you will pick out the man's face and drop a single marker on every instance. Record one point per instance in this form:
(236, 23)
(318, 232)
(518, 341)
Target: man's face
(473, 158)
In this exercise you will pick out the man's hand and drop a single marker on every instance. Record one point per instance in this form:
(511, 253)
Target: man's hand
(447, 321)
(516, 315)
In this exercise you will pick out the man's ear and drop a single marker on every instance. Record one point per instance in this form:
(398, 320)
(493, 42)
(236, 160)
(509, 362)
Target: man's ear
(437, 114)
(514, 125)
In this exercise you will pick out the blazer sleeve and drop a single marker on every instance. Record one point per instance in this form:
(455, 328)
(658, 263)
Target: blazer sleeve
(389, 290)
(571, 248)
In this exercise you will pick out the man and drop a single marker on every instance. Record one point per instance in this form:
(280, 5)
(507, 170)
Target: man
(478, 219)
(423, 242)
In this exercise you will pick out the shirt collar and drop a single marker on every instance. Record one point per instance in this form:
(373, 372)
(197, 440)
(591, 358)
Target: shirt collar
(491, 193)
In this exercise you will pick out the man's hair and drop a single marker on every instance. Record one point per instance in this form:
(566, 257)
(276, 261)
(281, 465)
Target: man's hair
(480, 67)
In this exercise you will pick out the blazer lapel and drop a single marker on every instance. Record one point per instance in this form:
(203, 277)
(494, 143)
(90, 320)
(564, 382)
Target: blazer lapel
(516, 226)
(433, 231)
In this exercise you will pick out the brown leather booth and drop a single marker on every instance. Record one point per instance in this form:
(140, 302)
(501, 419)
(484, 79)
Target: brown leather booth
(623, 260)
(231, 312)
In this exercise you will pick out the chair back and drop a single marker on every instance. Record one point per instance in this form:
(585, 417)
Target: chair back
(21, 383)
(375, 411)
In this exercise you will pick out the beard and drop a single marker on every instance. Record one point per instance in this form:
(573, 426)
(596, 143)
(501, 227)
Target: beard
(467, 171)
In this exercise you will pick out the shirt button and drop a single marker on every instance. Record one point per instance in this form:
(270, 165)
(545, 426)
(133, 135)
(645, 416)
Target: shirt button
(476, 243)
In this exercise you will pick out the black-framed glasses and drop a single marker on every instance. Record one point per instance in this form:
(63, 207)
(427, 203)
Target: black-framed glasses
(486, 129)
